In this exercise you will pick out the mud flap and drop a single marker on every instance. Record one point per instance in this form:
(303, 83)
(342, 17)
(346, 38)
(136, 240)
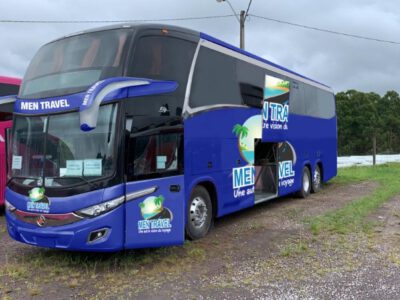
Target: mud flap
(154, 213)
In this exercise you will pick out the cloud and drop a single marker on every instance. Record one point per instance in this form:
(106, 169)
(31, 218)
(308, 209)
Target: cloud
(339, 61)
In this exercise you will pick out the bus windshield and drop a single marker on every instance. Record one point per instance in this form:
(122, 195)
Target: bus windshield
(72, 64)
(52, 151)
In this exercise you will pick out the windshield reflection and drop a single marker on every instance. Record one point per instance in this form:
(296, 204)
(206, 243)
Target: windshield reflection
(53, 151)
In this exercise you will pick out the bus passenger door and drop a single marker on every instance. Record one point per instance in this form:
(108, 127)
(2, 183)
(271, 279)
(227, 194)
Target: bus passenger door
(154, 214)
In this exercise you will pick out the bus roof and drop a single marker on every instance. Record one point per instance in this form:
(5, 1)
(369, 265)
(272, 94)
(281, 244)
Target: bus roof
(135, 26)
(10, 80)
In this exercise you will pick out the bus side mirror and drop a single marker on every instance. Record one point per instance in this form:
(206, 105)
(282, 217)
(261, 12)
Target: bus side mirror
(252, 95)
(97, 93)
(117, 88)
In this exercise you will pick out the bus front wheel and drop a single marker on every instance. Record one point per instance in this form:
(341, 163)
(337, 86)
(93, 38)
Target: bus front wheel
(305, 183)
(199, 214)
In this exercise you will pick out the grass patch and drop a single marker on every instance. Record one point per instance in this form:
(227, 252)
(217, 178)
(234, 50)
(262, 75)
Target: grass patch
(294, 248)
(34, 290)
(87, 272)
(351, 217)
(14, 272)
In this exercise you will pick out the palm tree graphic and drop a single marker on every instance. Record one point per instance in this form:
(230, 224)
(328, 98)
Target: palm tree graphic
(159, 201)
(240, 131)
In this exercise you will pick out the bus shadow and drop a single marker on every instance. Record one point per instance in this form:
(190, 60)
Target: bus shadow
(249, 213)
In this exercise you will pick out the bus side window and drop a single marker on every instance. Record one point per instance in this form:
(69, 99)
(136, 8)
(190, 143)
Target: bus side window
(155, 155)
(251, 80)
(214, 80)
(310, 99)
(296, 102)
(326, 104)
(8, 89)
(163, 57)
(6, 112)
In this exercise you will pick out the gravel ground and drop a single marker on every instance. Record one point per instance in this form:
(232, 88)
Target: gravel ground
(266, 252)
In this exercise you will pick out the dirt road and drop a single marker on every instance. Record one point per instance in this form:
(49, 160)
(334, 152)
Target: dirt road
(264, 252)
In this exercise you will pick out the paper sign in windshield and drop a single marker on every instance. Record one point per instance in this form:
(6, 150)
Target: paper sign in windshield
(63, 172)
(92, 167)
(161, 160)
(16, 162)
(74, 168)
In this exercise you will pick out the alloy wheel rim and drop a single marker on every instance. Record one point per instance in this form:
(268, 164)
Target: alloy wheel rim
(198, 212)
(317, 179)
(306, 182)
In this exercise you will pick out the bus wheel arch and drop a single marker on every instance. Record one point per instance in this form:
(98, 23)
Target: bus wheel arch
(306, 182)
(317, 178)
(212, 191)
(199, 219)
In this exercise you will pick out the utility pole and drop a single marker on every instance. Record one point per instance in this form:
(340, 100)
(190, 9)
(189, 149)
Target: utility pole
(242, 20)
(374, 150)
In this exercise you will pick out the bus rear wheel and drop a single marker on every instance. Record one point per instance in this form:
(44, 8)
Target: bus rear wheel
(317, 180)
(199, 214)
(305, 184)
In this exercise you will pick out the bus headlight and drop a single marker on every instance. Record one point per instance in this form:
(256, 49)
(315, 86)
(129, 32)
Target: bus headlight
(99, 209)
(9, 206)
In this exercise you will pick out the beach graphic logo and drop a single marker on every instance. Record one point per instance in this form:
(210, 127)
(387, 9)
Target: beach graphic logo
(156, 217)
(38, 202)
(275, 111)
(246, 134)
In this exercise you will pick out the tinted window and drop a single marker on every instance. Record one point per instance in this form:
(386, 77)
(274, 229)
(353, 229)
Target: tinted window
(215, 80)
(251, 80)
(326, 104)
(164, 58)
(311, 101)
(296, 102)
(72, 64)
(154, 106)
(8, 89)
(6, 111)
(250, 74)
(157, 154)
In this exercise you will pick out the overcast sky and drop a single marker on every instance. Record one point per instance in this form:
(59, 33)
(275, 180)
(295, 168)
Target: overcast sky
(338, 61)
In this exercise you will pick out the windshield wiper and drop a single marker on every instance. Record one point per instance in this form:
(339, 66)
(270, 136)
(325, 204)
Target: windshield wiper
(23, 177)
(91, 184)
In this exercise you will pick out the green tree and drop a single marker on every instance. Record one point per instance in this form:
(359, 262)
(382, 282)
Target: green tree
(389, 108)
(358, 121)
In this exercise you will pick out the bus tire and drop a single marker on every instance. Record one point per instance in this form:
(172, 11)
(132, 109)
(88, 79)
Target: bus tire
(317, 180)
(199, 214)
(305, 184)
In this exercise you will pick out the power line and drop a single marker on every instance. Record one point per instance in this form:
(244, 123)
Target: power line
(204, 18)
(113, 21)
(248, 8)
(327, 30)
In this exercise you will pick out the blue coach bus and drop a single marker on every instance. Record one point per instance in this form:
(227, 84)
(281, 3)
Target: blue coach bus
(141, 135)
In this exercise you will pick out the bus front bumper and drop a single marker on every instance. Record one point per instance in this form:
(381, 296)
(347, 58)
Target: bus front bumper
(103, 233)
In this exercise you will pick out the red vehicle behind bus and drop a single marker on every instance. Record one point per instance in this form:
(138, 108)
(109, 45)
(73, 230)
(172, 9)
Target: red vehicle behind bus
(8, 86)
